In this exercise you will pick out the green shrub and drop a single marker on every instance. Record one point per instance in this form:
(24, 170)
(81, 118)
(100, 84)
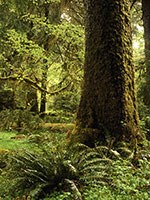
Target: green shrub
(21, 120)
(6, 99)
(128, 183)
(67, 101)
(58, 116)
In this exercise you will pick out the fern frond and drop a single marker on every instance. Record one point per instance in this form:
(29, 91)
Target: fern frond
(37, 175)
(86, 157)
(95, 161)
(73, 187)
(71, 168)
(102, 150)
(91, 155)
(93, 168)
(95, 178)
(37, 191)
(80, 147)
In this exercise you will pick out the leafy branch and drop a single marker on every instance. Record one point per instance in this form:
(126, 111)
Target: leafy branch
(34, 84)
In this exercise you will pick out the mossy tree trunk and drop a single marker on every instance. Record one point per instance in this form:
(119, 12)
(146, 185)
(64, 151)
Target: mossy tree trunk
(52, 13)
(32, 100)
(146, 22)
(43, 93)
(107, 108)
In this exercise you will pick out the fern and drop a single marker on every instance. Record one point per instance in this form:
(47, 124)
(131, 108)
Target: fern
(74, 188)
(38, 174)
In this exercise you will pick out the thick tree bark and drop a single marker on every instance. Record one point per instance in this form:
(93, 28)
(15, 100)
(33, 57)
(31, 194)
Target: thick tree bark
(107, 108)
(146, 22)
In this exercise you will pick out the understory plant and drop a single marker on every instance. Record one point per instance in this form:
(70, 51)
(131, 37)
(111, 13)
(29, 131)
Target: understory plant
(58, 168)
(20, 120)
(55, 170)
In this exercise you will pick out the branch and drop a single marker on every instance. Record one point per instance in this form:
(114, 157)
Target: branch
(26, 79)
(61, 89)
(13, 78)
(35, 85)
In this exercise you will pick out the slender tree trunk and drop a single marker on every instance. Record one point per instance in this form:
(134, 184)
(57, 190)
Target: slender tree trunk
(32, 100)
(43, 93)
(51, 17)
(146, 22)
(107, 109)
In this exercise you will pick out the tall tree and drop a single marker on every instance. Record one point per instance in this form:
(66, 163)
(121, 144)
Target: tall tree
(146, 22)
(107, 110)
(38, 42)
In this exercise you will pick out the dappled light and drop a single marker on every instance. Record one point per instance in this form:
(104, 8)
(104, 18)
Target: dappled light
(74, 100)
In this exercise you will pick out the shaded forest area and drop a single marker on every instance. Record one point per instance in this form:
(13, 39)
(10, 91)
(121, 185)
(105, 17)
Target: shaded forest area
(42, 52)
(42, 58)
(74, 99)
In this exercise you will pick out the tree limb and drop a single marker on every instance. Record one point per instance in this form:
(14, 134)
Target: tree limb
(35, 85)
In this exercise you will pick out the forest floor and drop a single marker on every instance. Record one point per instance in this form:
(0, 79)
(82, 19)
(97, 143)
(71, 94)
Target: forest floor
(129, 182)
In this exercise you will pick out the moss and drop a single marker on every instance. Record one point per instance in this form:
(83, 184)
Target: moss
(108, 93)
(87, 136)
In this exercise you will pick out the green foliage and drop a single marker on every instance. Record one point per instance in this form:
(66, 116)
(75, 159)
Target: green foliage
(140, 66)
(64, 108)
(59, 116)
(67, 101)
(6, 99)
(128, 183)
(57, 167)
(60, 196)
(58, 171)
(30, 43)
(40, 47)
(21, 120)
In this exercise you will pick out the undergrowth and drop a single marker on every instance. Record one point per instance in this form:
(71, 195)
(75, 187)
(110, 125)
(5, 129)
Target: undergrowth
(77, 172)
(58, 168)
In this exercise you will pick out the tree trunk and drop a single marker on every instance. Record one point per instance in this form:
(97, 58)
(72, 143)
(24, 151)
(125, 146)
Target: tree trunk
(146, 22)
(32, 100)
(43, 93)
(51, 17)
(107, 109)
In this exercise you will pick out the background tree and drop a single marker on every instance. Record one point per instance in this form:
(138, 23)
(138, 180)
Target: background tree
(146, 23)
(107, 109)
(41, 57)
(38, 38)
